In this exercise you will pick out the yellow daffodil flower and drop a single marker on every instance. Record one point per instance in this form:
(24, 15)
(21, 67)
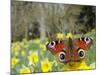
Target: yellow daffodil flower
(76, 66)
(46, 65)
(60, 35)
(25, 70)
(33, 58)
(69, 35)
(14, 61)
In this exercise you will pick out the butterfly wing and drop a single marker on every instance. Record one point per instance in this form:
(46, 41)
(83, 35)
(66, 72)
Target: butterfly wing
(83, 42)
(75, 50)
(70, 50)
(80, 46)
(56, 46)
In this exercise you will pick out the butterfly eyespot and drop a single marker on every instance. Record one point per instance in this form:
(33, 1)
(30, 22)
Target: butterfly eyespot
(51, 44)
(87, 40)
(81, 53)
(62, 56)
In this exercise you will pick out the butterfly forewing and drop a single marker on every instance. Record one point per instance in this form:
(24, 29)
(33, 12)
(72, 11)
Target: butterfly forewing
(56, 46)
(83, 43)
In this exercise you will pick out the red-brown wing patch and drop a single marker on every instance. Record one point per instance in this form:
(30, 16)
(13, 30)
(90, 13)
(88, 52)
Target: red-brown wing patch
(82, 44)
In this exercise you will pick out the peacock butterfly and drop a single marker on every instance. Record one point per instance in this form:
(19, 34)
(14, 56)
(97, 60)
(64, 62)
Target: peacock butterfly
(70, 49)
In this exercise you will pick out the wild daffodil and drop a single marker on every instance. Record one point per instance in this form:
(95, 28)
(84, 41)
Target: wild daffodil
(60, 35)
(33, 58)
(14, 61)
(46, 65)
(76, 66)
(69, 35)
(25, 70)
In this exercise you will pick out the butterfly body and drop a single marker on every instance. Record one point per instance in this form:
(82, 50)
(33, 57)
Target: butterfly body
(68, 50)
